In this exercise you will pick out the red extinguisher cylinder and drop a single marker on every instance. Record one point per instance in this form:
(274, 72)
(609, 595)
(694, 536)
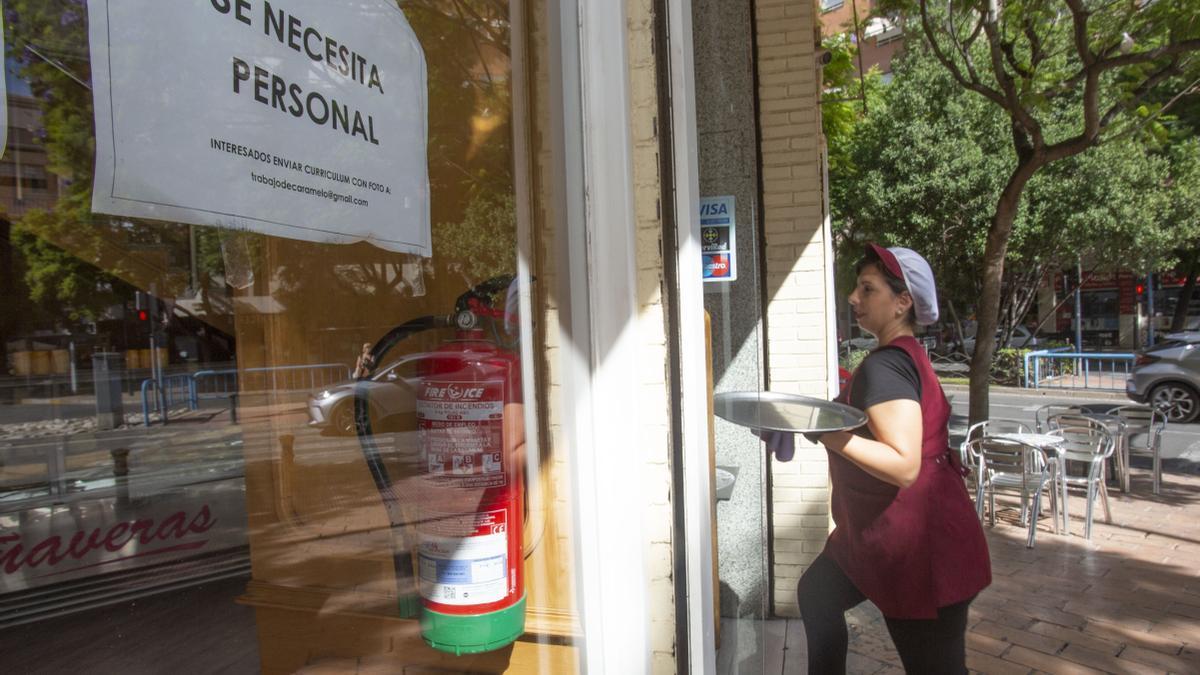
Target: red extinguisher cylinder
(470, 561)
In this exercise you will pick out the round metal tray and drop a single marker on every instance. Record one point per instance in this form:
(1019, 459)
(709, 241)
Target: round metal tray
(773, 411)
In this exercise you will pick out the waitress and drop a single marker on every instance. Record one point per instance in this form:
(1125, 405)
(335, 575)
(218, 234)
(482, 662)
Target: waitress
(906, 536)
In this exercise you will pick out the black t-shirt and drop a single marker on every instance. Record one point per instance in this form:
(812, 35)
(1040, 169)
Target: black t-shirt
(887, 374)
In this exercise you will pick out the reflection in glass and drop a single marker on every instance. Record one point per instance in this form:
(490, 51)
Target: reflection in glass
(179, 442)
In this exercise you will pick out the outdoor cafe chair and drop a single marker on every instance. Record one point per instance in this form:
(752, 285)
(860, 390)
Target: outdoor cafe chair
(1148, 420)
(990, 427)
(1014, 466)
(1114, 426)
(1043, 414)
(1091, 445)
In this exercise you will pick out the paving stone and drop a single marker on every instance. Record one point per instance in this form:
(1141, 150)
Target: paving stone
(1127, 602)
(1047, 662)
(1165, 662)
(1043, 643)
(982, 663)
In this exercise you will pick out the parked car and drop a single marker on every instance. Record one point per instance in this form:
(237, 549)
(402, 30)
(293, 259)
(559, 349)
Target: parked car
(391, 392)
(1021, 339)
(861, 342)
(869, 342)
(1167, 375)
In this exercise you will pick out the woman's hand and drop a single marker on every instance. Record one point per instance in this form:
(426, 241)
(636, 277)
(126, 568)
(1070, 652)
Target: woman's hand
(895, 456)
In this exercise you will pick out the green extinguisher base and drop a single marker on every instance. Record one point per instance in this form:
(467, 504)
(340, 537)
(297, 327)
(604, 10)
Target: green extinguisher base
(473, 634)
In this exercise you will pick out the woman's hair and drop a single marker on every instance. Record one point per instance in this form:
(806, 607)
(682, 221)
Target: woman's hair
(871, 259)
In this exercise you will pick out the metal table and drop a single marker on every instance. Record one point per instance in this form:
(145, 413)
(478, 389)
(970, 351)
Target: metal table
(774, 411)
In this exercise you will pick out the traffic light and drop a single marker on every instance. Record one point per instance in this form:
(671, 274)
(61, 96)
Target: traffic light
(143, 305)
(1140, 290)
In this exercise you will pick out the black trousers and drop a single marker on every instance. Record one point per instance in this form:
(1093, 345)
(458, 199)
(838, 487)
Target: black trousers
(926, 646)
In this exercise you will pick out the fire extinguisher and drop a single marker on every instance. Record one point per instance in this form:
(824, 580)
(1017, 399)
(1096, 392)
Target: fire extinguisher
(470, 567)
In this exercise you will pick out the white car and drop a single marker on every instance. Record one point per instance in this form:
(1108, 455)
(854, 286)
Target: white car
(861, 342)
(1021, 339)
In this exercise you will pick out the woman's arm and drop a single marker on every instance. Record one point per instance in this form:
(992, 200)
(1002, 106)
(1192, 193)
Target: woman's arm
(895, 457)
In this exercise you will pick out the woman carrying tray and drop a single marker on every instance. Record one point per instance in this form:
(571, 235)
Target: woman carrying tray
(906, 535)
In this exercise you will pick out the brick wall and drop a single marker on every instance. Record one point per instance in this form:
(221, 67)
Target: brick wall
(796, 285)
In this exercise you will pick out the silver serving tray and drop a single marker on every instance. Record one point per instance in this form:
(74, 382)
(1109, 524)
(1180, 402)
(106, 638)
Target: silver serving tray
(774, 411)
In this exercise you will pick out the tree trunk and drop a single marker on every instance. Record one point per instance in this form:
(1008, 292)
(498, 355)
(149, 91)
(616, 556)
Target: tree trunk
(988, 312)
(1179, 321)
(956, 322)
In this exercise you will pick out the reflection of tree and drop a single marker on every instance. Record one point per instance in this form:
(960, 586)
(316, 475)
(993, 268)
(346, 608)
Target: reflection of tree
(466, 45)
(76, 263)
(69, 253)
(470, 174)
(52, 276)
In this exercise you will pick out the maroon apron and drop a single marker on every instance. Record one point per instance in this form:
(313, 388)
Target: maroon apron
(910, 550)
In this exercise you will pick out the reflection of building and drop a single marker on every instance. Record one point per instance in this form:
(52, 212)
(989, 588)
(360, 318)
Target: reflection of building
(25, 181)
(879, 38)
(1115, 307)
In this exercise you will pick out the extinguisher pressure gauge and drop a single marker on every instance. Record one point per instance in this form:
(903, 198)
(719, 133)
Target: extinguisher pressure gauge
(465, 320)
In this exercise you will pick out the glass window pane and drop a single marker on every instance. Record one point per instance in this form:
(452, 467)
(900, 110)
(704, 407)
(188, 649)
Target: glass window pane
(270, 401)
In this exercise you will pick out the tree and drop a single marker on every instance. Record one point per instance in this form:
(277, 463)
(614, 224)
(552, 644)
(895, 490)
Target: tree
(925, 167)
(1098, 59)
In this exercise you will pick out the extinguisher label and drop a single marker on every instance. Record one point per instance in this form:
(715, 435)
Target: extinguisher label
(464, 557)
(462, 431)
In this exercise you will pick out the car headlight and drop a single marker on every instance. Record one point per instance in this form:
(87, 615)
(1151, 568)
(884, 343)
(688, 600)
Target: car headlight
(324, 395)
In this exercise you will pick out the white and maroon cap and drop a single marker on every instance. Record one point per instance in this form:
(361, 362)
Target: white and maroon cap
(907, 264)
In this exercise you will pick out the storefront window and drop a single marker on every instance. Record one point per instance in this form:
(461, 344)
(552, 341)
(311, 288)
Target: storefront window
(274, 379)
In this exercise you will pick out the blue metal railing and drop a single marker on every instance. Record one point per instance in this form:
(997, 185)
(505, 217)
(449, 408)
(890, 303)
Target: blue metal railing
(190, 388)
(1062, 368)
(220, 383)
(175, 390)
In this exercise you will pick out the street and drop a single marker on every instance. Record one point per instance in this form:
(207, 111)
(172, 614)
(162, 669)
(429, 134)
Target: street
(1180, 444)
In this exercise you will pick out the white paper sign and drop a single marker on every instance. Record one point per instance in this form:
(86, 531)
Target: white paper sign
(303, 119)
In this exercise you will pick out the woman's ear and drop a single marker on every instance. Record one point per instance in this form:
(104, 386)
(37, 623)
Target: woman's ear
(906, 302)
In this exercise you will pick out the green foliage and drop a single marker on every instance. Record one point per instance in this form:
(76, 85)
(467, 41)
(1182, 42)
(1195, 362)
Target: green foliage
(484, 243)
(927, 166)
(924, 169)
(845, 100)
(851, 359)
(56, 279)
(1063, 78)
(1008, 366)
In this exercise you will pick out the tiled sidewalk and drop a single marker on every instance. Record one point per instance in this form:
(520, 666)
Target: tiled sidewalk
(1128, 602)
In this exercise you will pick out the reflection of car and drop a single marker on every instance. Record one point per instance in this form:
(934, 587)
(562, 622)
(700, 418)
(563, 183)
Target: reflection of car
(869, 342)
(1021, 339)
(390, 392)
(861, 342)
(1168, 375)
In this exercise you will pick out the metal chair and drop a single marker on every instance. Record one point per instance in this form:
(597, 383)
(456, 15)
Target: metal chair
(1043, 414)
(1012, 465)
(990, 427)
(1143, 419)
(1090, 443)
(1114, 426)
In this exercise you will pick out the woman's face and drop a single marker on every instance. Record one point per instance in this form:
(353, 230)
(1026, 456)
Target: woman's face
(876, 306)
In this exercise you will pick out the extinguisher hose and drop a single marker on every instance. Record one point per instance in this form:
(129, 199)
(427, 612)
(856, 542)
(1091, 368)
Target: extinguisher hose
(402, 559)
